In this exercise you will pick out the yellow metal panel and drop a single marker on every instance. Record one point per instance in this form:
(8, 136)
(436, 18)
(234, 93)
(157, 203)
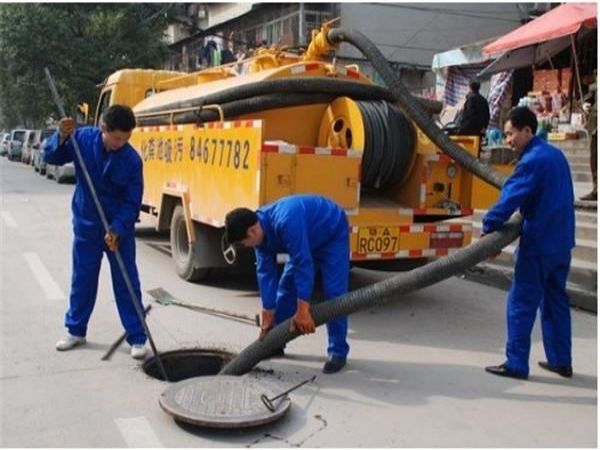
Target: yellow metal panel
(484, 195)
(409, 194)
(439, 186)
(218, 167)
(298, 125)
(332, 176)
(336, 177)
(276, 176)
(424, 144)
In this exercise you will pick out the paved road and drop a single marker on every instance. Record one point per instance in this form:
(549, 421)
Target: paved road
(414, 379)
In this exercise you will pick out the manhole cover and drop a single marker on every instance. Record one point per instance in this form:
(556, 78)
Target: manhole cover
(222, 402)
(187, 363)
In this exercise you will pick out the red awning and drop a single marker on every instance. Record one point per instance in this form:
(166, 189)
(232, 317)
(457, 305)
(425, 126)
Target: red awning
(562, 21)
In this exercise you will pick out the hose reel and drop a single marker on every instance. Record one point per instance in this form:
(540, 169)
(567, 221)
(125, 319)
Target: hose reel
(386, 137)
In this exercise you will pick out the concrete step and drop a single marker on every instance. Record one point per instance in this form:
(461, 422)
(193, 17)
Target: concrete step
(500, 276)
(581, 177)
(583, 232)
(588, 217)
(583, 273)
(585, 249)
(580, 167)
(579, 159)
(575, 151)
(571, 144)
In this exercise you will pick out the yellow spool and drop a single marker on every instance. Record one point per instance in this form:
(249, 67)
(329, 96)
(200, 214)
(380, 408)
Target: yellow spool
(342, 126)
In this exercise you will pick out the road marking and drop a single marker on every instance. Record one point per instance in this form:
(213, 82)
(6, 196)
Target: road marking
(8, 218)
(43, 277)
(138, 433)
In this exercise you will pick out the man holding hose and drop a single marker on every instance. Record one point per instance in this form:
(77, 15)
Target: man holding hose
(313, 231)
(542, 189)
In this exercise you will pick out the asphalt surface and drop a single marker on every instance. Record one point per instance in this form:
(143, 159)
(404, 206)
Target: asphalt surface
(415, 375)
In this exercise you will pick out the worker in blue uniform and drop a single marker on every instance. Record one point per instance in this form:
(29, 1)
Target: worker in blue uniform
(313, 231)
(542, 189)
(116, 172)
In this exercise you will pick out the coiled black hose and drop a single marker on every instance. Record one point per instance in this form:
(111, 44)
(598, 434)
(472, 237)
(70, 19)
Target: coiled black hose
(389, 145)
(414, 111)
(403, 283)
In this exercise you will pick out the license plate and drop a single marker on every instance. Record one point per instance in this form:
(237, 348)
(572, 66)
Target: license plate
(378, 240)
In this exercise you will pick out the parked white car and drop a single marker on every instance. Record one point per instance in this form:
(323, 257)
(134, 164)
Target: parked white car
(39, 165)
(62, 174)
(4, 138)
(15, 144)
(31, 138)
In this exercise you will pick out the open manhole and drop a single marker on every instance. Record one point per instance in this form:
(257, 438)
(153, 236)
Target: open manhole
(190, 363)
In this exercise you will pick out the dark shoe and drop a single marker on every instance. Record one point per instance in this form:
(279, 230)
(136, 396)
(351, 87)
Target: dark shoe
(334, 364)
(591, 197)
(563, 371)
(503, 371)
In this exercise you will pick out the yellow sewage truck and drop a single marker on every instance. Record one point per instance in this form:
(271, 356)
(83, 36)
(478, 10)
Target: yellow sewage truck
(248, 133)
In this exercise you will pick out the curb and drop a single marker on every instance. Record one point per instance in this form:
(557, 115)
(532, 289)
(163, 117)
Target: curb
(501, 277)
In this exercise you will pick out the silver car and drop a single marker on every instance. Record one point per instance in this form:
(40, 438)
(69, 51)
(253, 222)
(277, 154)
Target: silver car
(15, 144)
(31, 138)
(4, 138)
(39, 164)
(62, 174)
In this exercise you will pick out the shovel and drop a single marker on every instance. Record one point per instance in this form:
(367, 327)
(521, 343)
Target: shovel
(165, 298)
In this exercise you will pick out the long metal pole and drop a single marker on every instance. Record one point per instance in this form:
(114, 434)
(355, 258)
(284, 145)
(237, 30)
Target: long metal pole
(578, 77)
(136, 301)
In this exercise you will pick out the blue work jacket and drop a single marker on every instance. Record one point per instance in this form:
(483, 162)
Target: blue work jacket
(300, 226)
(541, 187)
(117, 178)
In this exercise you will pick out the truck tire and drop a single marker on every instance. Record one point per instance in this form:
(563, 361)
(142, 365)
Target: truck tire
(182, 252)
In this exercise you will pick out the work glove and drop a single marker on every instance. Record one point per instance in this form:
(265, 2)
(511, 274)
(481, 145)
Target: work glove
(112, 241)
(302, 320)
(266, 322)
(66, 126)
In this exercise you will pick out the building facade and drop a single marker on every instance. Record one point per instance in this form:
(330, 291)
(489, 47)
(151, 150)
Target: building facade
(408, 34)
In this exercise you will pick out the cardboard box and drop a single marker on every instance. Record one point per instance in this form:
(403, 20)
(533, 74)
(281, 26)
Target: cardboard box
(565, 79)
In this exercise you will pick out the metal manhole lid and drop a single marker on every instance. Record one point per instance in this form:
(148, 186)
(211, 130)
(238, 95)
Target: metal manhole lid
(222, 402)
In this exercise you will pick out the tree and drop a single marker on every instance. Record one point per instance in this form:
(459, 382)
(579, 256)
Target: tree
(81, 44)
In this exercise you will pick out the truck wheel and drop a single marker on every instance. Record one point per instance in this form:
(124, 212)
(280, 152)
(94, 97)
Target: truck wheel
(182, 251)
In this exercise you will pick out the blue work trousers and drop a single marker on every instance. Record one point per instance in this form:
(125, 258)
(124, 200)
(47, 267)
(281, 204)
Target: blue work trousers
(540, 282)
(333, 262)
(87, 257)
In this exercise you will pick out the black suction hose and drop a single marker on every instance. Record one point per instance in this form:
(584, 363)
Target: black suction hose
(238, 108)
(377, 294)
(298, 85)
(407, 282)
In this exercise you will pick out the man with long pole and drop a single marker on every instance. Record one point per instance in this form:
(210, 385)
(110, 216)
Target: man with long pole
(106, 204)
